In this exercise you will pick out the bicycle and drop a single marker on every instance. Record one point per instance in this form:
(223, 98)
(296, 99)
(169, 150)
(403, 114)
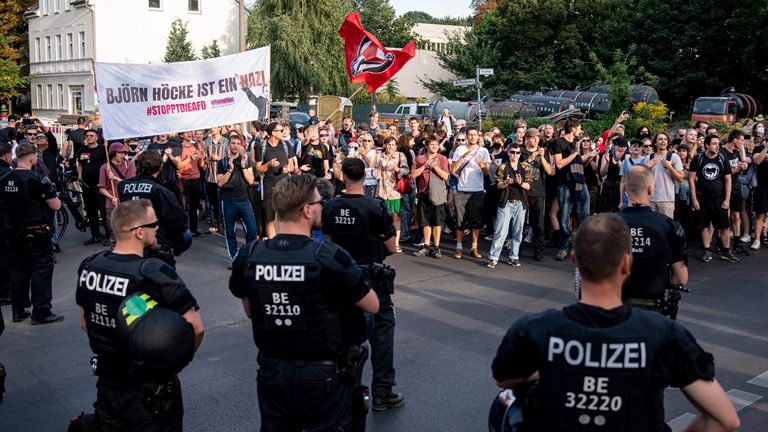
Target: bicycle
(72, 199)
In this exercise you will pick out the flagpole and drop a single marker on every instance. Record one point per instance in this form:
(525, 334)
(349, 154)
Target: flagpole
(340, 105)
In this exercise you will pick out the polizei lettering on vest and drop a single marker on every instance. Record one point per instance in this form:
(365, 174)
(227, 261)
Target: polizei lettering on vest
(106, 284)
(137, 188)
(280, 273)
(626, 355)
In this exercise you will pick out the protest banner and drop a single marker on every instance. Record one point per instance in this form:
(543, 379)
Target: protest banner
(153, 99)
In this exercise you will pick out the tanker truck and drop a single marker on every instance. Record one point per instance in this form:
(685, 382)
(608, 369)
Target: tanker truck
(729, 107)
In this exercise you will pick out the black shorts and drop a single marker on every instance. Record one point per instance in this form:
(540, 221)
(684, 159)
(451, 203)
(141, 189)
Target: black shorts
(469, 209)
(430, 214)
(760, 199)
(267, 209)
(737, 202)
(711, 212)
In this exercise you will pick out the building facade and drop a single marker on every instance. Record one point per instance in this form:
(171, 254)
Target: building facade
(67, 36)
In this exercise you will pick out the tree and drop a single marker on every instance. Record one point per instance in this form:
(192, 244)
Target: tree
(179, 47)
(12, 79)
(14, 49)
(423, 17)
(211, 51)
(380, 19)
(307, 52)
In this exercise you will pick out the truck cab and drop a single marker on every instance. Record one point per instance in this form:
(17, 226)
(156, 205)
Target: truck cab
(710, 109)
(403, 113)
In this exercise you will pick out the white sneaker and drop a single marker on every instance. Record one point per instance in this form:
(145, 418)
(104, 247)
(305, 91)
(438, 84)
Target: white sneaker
(745, 238)
(755, 245)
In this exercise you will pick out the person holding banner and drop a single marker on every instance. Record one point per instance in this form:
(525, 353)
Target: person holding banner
(188, 171)
(110, 174)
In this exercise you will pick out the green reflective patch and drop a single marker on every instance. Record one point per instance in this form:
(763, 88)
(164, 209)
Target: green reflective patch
(136, 306)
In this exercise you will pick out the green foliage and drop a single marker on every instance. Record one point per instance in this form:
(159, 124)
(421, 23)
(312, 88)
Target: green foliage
(12, 78)
(653, 116)
(379, 18)
(423, 17)
(307, 52)
(179, 47)
(211, 51)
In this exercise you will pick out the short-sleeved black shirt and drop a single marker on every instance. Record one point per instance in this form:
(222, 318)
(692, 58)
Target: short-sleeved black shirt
(710, 176)
(236, 189)
(168, 174)
(356, 223)
(274, 175)
(314, 155)
(733, 158)
(564, 148)
(91, 159)
(77, 136)
(762, 168)
(531, 162)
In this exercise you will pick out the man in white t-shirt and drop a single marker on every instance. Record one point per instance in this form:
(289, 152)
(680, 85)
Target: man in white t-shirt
(469, 164)
(446, 122)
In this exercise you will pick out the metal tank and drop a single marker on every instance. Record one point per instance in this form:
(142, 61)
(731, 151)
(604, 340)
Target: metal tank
(544, 105)
(501, 108)
(590, 103)
(460, 110)
(746, 105)
(639, 93)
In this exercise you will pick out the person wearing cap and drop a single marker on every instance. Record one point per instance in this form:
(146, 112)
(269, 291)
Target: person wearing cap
(111, 173)
(535, 162)
(30, 200)
(129, 396)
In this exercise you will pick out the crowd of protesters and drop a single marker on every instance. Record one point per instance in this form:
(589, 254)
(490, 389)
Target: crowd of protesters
(534, 185)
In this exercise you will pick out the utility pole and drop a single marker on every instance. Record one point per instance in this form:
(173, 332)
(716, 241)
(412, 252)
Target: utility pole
(241, 4)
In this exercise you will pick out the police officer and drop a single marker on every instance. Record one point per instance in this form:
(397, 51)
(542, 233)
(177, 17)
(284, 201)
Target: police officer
(363, 226)
(5, 248)
(130, 397)
(306, 301)
(30, 200)
(602, 365)
(173, 236)
(658, 245)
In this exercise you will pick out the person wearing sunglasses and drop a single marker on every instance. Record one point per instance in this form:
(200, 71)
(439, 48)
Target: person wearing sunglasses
(103, 285)
(305, 300)
(635, 157)
(275, 160)
(512, 181)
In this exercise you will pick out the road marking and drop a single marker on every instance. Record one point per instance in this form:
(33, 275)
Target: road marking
(742, 399)
(760, 380)
(679, 423)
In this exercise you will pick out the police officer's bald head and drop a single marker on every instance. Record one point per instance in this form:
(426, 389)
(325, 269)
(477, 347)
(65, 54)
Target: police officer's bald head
(639, 183)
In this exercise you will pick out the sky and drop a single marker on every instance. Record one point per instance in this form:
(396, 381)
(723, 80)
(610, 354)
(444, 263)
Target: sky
(436, 8)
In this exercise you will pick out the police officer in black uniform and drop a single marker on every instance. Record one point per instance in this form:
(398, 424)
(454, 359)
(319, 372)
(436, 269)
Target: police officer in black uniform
(130, 397)
(658, 247)
(363, 226)
(5, 247)
(602, 365)
(306, 301)
(173, 236)
(30, 200)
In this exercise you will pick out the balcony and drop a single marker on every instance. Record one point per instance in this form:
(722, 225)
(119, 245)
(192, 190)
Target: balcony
(61, 67)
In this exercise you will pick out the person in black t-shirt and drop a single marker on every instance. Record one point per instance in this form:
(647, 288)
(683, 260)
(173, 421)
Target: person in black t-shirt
(602, 365)
(275, 160)
(89, 162)
(315, 154)
(535, 161)
(760, 193)
(710, 179)
(171, 151)
(736, 155)
(233, 175)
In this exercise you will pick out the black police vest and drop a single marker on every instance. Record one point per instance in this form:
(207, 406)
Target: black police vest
(22, 208)
(103, 284)
(289, 317)
(350, 220)
(137, 188)
(650, 245)
(594, 379)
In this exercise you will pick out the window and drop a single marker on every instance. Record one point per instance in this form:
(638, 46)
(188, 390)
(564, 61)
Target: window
(67, 5)
(44, 4)
(37, 50)
(194, 5)
(70, 47)
(39, 96)
(56, 6)
(60, 91)
(82, 44)
(50, 96)
(155, 4)
(48, 56)
(58, 48)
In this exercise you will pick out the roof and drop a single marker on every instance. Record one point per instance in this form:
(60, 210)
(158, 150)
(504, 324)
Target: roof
(437, 32)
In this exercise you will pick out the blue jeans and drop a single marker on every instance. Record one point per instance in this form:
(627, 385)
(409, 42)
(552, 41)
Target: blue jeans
(512, 213)
(566, 199)
(232, 210)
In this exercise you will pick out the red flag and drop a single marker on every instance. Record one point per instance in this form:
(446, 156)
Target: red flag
(367, 59)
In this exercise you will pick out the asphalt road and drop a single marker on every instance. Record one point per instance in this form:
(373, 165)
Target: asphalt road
(451, 317)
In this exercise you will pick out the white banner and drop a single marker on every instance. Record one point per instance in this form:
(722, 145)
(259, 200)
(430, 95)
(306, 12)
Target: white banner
(152, 99)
